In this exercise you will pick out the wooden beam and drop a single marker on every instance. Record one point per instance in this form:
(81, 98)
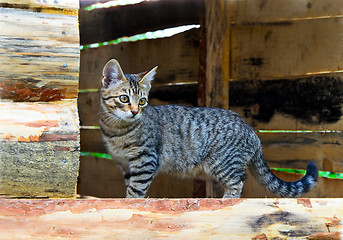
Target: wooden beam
(60, 4)
(172, 218)
(41, 52)
(39, 144)
(217, 53)
(39, 70)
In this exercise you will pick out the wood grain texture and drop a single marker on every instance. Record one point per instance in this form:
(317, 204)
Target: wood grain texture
(39, 56)
(278, 10)
(172, 219)
(217, 53)
(176, 56)
(39, 145)
(45, 169)
(39, 122)
(59, 4)
(293, 48)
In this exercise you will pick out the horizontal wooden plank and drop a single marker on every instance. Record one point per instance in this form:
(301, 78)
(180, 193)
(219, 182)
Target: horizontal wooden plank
(101, 177)
(102, 25)
(279, 10)
(88, 102)
(43, 169)
(309, 103)
(176, 56)
(294, 48)
(172, 219)
(39, 122)
(64, 4)
(39, 145)
(40, 56)
(296, 150)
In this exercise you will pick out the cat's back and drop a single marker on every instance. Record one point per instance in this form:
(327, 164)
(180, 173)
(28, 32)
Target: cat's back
(181, 115)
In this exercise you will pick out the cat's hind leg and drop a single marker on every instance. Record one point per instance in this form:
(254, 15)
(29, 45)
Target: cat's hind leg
(234, 189)
(231, 174)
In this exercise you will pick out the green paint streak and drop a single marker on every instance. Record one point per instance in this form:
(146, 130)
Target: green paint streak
(88, 90)
(325, 174)
(94, 154)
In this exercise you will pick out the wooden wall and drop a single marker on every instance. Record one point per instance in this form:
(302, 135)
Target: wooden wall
(278, 64)
(39, 69)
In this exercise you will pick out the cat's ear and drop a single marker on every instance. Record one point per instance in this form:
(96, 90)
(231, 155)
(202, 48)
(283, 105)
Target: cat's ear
(112, 73)
(147, 77)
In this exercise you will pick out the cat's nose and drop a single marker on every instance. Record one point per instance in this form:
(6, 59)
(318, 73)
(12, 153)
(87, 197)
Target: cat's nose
(134, 112)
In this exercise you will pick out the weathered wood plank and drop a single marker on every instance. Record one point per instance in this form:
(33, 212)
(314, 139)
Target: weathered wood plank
(309, 103)
(102, 25)
(172, 219)
(294, 48)
(39, 122)
(278, 10)
(39, 146)
(39, 56)
(45, 169)
(176, 56)
(60, 4)
(217, 53)
(101, 177)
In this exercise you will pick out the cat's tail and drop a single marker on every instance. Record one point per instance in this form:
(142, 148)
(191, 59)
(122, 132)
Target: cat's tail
(282, 188)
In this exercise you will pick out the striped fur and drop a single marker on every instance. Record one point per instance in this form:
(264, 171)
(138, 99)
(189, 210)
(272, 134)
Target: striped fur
(145, 140)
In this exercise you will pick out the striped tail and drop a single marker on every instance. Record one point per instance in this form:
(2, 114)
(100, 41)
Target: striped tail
(281, 188)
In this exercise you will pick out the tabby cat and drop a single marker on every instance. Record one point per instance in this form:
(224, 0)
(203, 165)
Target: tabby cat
(145, 140)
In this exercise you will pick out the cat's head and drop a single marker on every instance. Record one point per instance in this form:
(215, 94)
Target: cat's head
(125, 95)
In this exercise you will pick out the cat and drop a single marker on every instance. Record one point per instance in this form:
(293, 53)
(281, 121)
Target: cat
(145, 140)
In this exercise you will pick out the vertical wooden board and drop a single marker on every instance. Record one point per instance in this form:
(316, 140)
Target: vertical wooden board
(243, 11)
(177, 57)
(39, 55)
(286, 49)
(309, 103)
(101, 177)
(217, 53)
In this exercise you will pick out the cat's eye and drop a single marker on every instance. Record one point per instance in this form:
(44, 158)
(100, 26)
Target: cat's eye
(124, 98)
(142, 101)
